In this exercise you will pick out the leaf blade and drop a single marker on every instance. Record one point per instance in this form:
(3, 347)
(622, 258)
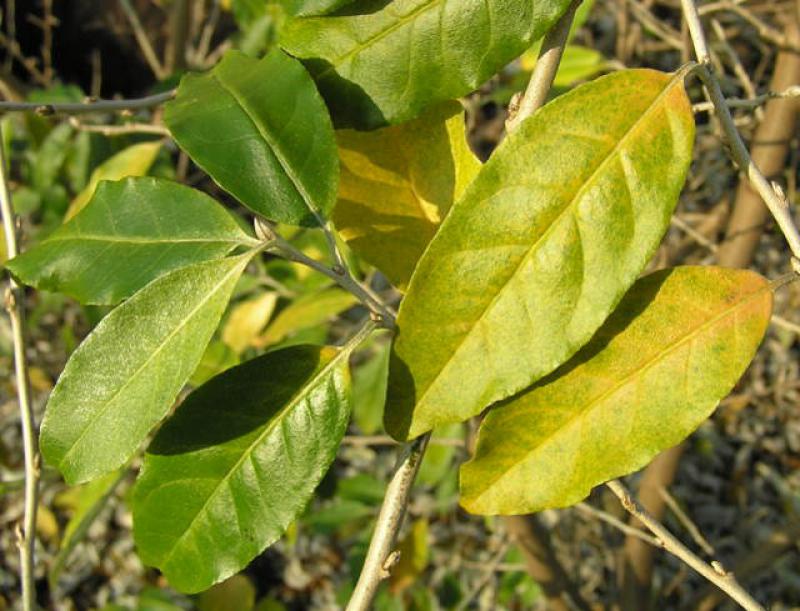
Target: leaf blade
(205, 476)
(559, 222)
(124, 377)
(624, 397)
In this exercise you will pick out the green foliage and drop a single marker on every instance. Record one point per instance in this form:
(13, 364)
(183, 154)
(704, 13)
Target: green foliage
(124, 377)
(131, 232)
(674, 347)
(262, 132)
(387, 61)
(541, 247)
(228, 492)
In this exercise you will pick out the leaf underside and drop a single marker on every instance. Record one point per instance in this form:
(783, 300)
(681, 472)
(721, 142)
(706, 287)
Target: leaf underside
(539, 250)
(675, 346)
(238, 462)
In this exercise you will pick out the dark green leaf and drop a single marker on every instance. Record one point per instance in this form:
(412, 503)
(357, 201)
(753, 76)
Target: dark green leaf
(238, 462)
(130, 233)
(262, 132)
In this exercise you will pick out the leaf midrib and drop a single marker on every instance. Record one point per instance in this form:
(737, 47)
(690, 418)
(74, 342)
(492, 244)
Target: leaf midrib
(567, 206)
(149, 359)
(246, 241)
(277, 419)
(639, 369)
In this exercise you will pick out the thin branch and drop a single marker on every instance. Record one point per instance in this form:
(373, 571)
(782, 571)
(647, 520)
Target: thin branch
(545, 69)
(16, 314)
(380, 557)
(771, 194)
(94, 106)
(684, 519)
(588, 509)
(385, 440)
(120, 130)
(712, 572)
(142, 39)
(754, 102)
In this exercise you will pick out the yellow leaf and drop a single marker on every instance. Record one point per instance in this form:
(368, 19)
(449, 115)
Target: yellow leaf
(246, 321)
(132, 161)
(397, 185)
(46, 524)
(413, 557)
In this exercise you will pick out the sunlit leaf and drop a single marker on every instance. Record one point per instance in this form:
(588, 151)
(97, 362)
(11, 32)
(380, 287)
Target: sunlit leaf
(132, 161)
(398, 184)
(544, 243)
(126, 374)
(246, 321)
(675, 346)
(210, 498)
(387, 61)
(130, 233)
(262, 132)
(577, 64)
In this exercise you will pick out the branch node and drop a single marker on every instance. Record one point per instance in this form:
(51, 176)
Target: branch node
(263, 230)
(720, 570)
(390, 562)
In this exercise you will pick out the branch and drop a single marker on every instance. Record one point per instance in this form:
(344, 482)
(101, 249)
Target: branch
(545, 69)
(16, 314)
(754, 102)
(714, 573)
(93, 106)
(142, 39)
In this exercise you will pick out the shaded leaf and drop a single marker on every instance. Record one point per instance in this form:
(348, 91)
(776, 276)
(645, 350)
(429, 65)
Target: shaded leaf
(126, 374)
(369, 391)
(577, 64)
(131, 232)
(262, 132)
(246, 321)
(398, 184)
(309, 8)
(217, 358)
(211, 498)
(675, 346)
(390, 61)
(541, 247)
(132, 161)
(234, 594)
(306, 312)
(413, 557)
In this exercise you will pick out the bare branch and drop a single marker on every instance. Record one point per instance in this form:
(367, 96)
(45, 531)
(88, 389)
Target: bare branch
(92, 106)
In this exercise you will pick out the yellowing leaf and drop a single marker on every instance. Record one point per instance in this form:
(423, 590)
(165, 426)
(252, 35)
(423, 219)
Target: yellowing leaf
(675, 346)
(307, 311)
(246, 321)
(540, 248)
(132, 161)
(397, 185)
(413, 557)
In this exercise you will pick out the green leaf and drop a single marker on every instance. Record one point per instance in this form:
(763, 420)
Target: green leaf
(132, 161)
(235, 594)
(577, 64)
(309, 8)
(541, 247)
(675, 346)
(369, 391)
(306, 312)
(210, 498)
(398, 184)
(247, 319)
(262, 132)
(132, 232)
(390, 61)
(126, 374)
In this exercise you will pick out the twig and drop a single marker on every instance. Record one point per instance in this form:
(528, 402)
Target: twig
(693, 233)
(120, 130)
(754, 102)
(385, 440)
(142, 39)
(379, 558)
(82, 108)
(545, 69)
(684, 519)
(714, 573)
(489, 569)
(774, 198)
(616, 523)
(16, 314)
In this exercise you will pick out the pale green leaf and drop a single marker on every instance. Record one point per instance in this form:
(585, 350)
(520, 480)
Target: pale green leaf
(130, 233)
(262, 132)
(210, 498)
(387, 61)
(246, 320)
(132, 161)
(126, 374)
(398, 184)
(675, 346)
(541, 247)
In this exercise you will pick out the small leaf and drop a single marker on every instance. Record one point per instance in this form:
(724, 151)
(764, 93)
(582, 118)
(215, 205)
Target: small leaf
(675, 346)
(543, 244)
(234, 594)
(126, 374)
(132, 161)
(210, 498)
(246, 321)
(577, 64)
(131, 232)
(306, 312)
(262, 132)
(393, 59)
(398, 184)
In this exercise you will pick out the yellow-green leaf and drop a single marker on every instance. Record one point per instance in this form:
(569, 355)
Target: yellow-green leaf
(397, 185)
(675, 346)
(132, 161)
(246, 321)
(544, 243)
